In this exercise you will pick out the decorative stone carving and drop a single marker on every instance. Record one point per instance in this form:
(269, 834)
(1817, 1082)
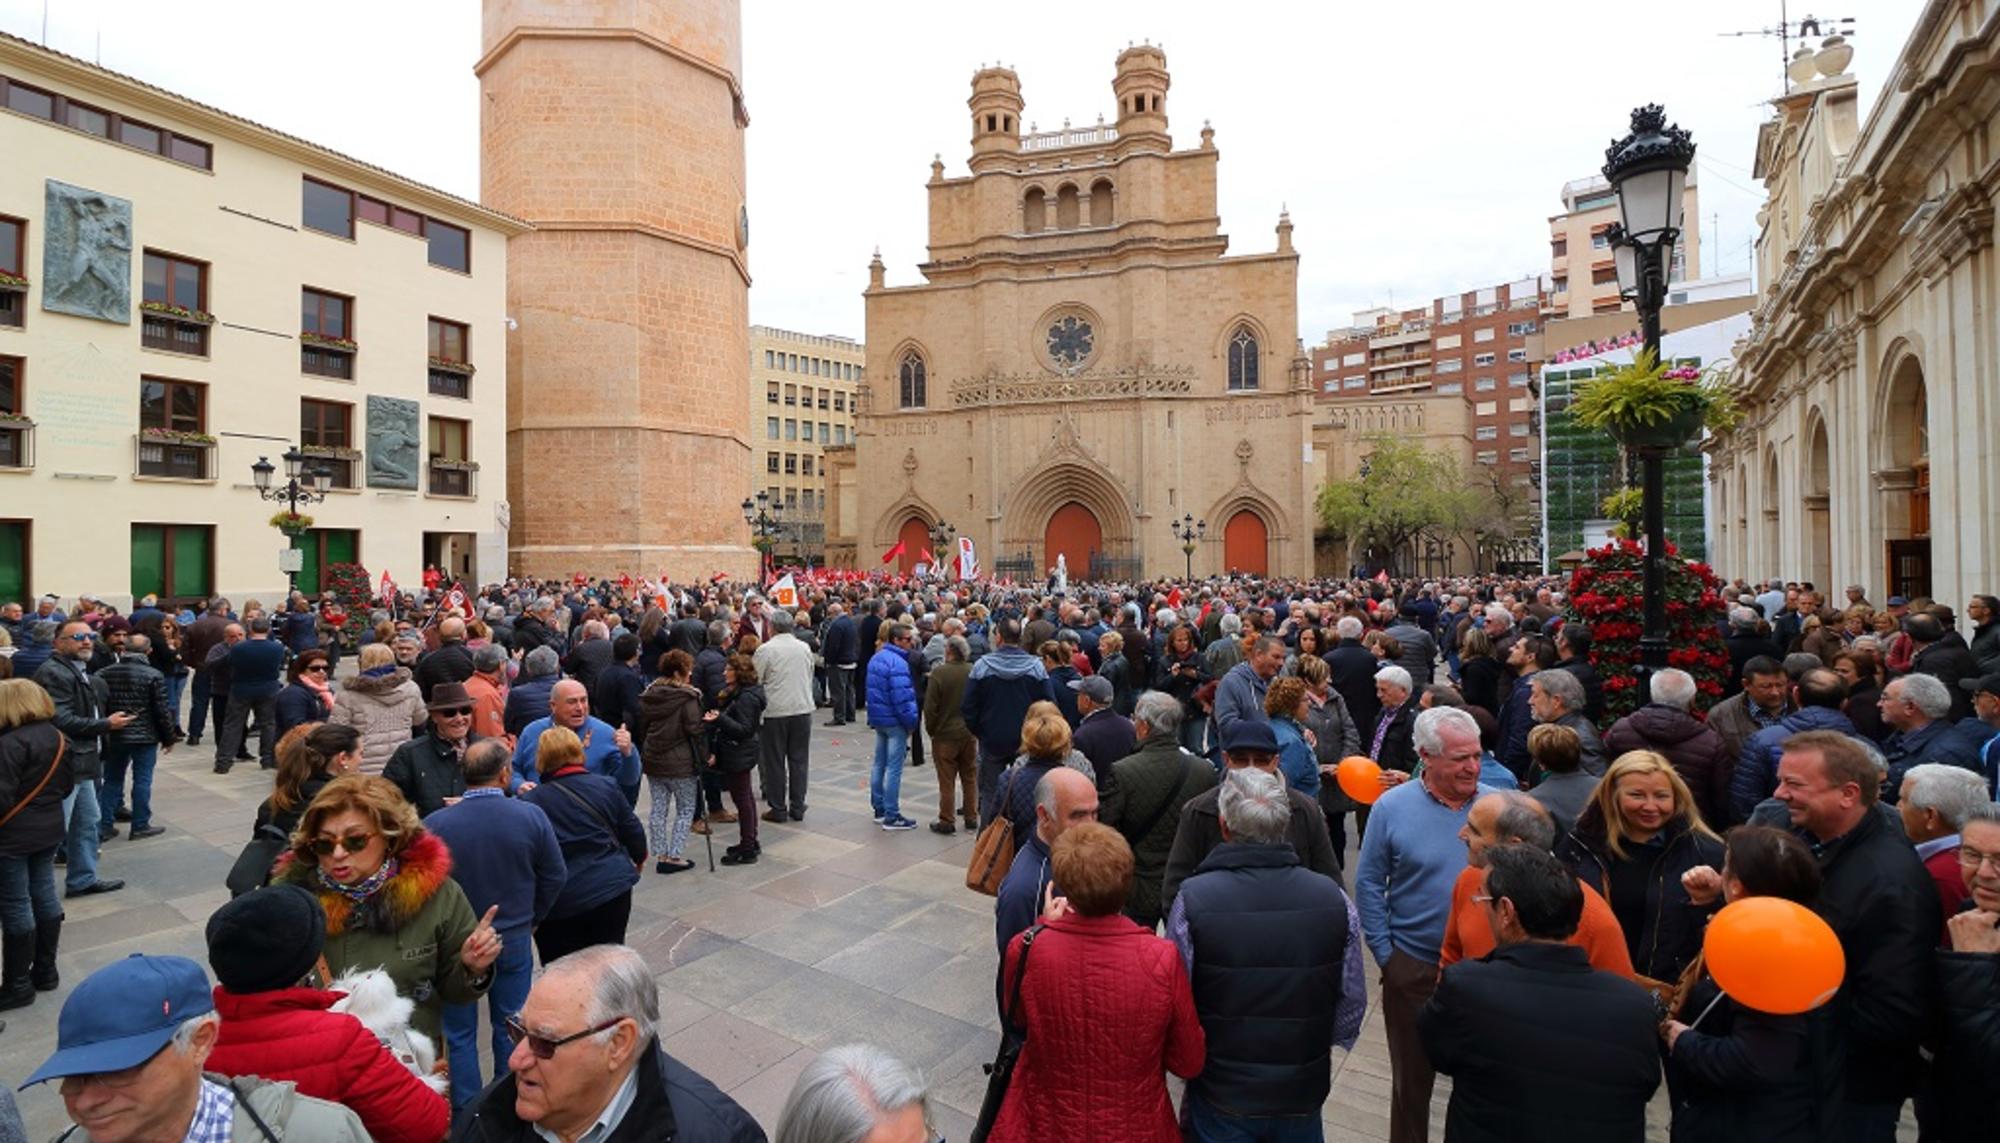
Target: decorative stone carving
(393, 443)
(87, 254)
(1025, 389)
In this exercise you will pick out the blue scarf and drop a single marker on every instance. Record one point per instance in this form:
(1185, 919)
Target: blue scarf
(363, 889)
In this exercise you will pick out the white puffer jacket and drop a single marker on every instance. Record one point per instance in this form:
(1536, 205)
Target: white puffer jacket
(385, 709)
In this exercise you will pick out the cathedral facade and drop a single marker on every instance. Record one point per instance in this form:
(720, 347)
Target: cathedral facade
(1084, 367)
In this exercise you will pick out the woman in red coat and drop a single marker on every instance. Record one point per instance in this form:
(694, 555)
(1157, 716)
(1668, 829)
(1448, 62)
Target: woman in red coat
(1106, 1006)
(261, 946)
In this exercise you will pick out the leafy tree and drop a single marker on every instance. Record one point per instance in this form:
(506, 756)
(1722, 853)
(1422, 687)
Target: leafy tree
(1409, 492)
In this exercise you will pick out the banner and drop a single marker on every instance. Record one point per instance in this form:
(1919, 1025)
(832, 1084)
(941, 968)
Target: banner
(388, 592)
(785, 593)
(968, 560)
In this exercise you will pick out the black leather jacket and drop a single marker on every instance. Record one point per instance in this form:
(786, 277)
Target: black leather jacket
(140, 690)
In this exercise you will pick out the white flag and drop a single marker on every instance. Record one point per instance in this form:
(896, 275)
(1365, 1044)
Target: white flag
(785, 593)
(968, 560)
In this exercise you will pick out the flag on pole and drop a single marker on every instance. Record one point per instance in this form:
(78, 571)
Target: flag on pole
(388, 592)
(1382, 576)
(968, 559)
(894, 553)
(785, 593)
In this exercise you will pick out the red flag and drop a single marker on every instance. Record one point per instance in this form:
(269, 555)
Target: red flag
(1174, 599)
(1382, 576)
(926, 557)
(894, 553)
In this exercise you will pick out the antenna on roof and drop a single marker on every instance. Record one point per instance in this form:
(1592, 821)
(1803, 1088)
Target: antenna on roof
(1803, 29)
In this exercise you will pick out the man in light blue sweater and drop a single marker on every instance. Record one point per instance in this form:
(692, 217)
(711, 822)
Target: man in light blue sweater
(1410, 857)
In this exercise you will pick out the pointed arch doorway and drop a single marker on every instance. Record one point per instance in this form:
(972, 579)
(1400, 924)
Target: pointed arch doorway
(1246, 544)
(915, 536)
(1074, 533)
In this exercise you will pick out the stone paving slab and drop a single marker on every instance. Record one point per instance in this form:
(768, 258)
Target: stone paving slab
(842, 932)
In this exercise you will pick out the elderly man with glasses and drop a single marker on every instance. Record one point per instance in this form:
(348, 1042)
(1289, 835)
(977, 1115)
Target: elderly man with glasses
(427, 769)
(129, 1052)
(81, 703)
(587, 1062)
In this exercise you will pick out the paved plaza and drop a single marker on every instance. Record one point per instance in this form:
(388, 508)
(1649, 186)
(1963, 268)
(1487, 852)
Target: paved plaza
(842, 932)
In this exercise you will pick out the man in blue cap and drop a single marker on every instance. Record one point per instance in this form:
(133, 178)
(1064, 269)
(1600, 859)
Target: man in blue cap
(129, 1049)
(1246, 743)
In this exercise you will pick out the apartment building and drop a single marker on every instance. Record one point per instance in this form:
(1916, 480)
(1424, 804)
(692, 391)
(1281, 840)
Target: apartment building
(802, 392)
(184, 292)
(1469, 348)
(1583, 280)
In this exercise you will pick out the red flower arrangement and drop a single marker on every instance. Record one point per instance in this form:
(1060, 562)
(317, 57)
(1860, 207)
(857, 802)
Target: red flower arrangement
(1607, 594)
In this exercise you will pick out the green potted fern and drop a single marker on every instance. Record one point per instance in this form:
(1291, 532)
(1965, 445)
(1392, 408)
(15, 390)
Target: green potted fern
(1648, 405)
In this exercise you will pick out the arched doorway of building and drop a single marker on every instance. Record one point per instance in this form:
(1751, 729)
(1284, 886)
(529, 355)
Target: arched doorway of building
(1772, 551)
(1904, 478)
(1819, 514)
(1074, 534)
(915, 536)
(1246, 544)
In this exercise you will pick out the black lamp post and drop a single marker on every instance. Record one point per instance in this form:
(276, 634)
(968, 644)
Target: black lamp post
(1188, 531)
(1648, 170)
(762, 516)
(943, 537)
(304, 484)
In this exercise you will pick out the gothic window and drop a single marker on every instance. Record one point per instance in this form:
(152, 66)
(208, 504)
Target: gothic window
(1070, 341)
(913, 385)
(1242, 360)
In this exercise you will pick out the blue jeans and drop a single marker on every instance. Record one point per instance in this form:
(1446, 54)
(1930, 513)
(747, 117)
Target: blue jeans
(176, 686)
(198, 706)
(513, 974)
(1193, 730)
(1206, 1124)
(111, 794)
(28, 892)
(80, 808)
(885, 778)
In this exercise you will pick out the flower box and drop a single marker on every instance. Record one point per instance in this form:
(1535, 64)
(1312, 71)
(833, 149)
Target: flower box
(176, 437)
(332, 452)
(292, 523)
(177, 313)
(337, 344)
(454, 465)
(1671, 433)
(1647, 405)
(447, 365)
(12, 283)
(17, 420)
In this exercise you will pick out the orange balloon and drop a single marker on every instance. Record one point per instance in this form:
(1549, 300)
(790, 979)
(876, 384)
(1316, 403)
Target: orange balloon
(1774, 955)
(1360, 778)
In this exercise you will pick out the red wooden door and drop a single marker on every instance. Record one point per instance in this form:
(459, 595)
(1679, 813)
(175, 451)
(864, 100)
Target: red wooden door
(915, 536)
(1074, 533)
(1246, 546)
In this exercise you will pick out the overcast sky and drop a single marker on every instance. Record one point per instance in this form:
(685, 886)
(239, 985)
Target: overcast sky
(1420, 147)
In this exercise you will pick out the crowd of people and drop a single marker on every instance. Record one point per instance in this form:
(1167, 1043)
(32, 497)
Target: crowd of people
(1155, 765)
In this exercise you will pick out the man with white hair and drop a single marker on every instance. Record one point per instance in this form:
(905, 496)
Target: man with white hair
(1667, 727)
(1274, 954)
(129, 1051)
(1934, 802)
(857, 1093)
(591, 655)
(1919, 708)
(1410, 857)
(1555, 698)
(1501, 630)
(785, 668)
(1353, 669)
(1144, 793)
(587, 1059)
(1391, 740)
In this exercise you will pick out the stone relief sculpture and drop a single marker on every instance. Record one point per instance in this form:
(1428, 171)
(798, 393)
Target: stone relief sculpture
(393, 443)
(87, 254)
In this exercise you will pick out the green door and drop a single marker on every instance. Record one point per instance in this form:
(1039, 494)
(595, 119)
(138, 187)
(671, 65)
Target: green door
(14, 562)
(149, 560)
(324, 547)
(191, 562)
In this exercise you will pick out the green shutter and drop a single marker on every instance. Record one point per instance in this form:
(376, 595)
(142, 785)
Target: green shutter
(191, 559)
(14, 563)
(308, 546)
(149, 560)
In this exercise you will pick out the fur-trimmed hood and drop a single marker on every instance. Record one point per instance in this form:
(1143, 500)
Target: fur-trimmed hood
(378, 686)
(426, 866)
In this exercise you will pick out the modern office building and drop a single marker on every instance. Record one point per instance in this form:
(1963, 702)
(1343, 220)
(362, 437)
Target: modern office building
(803, 389)
(183, 292)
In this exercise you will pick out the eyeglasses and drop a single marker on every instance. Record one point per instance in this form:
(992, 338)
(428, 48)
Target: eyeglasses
(545, 1047)
(316, 669)
(457, 712)
(85, 637)
(1971, 859)
(352, 843)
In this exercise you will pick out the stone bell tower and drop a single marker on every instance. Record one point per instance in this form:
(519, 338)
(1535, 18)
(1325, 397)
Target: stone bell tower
(616, 129)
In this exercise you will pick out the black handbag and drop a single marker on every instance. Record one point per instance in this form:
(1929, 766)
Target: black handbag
(252, 870)
(1013, 1037)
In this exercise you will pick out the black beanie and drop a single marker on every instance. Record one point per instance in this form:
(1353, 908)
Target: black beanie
(266, 940)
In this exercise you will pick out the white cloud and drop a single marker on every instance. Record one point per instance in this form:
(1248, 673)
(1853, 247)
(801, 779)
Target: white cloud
(1420, 148)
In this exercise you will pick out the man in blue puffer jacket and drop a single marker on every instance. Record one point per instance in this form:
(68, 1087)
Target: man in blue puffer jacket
(892, 714)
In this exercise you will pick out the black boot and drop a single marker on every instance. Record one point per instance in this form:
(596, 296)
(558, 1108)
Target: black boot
(48, 934)
(17, 952)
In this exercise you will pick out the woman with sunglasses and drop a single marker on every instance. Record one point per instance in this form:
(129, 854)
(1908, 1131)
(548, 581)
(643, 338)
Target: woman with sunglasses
(385, 885)
(308, 695)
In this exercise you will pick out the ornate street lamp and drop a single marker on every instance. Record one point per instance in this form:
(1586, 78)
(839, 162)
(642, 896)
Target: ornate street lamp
(304, 484)
(1648, 170)
(943, 537)
(1189, 531)
(763, 518)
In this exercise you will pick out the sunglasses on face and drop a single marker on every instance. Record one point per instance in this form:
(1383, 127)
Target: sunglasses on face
(316, 669)
(352, 843)
(86, 637)
(456, 712)
(545, 1047)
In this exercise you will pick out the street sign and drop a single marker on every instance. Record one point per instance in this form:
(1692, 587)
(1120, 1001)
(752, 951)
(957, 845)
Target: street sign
(291, 560)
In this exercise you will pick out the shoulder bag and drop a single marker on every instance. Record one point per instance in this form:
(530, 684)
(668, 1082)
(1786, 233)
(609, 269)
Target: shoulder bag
(62, 747)
(1013, 1037)
(993, 850)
